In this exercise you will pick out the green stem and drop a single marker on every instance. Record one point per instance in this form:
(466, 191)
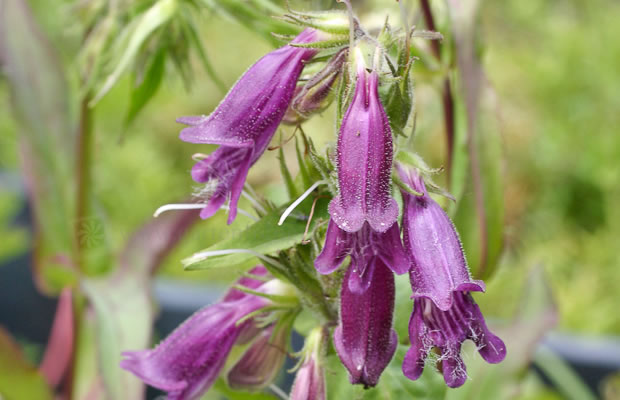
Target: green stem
(84, 144)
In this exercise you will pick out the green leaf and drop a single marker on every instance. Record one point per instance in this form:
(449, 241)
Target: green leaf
(264, 237)
(286, 175)
(18, 378)
(141, 94)
(256, 19)
(159, 14)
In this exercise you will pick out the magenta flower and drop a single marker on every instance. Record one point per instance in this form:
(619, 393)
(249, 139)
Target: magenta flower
(446, 330)
(245, 121)
(364, 339)
(433, 245)
(363, 215)
(364, 161)
(444, 313)
(363, 225)
(189, 360)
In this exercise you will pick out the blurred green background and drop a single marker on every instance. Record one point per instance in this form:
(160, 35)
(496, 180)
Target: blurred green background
(554, 66)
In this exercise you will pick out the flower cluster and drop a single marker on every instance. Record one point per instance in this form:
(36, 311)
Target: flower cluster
(363, 233)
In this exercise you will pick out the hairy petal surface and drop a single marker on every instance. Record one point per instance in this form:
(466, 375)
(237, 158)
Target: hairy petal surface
(364, 161)
(365, 340)
(438, 265)
(245, 121)
(189, 360)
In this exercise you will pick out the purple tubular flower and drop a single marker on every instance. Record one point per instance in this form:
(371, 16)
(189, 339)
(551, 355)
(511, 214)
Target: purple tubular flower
(309, 382)
(189, 360)
(245, 121)
(447, 330)
(261, 363)
(363, 215)
(364, 161)
(438, 265)
(365, 340)
(445, 314)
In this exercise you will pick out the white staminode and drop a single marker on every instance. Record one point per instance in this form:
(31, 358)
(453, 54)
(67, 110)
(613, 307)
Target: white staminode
(301, 198)
(196, 206)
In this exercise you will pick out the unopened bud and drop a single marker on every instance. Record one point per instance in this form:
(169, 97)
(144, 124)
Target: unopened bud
(314, 95)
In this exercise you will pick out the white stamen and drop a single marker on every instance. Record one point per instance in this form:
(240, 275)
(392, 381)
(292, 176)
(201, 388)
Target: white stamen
(301, 198)
(196, 206)
(169, 207)
(199, 156)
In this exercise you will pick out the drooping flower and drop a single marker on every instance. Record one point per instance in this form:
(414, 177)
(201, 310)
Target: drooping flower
(363, 225)
(433, 245)
(189, 360)
(363, 215)
(364, 339)
(262, 362)
(444, 313)
(364, 160)
(245, 121)
(446, 330)
(310, 377)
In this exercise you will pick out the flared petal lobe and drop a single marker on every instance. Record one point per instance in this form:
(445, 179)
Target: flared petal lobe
(365, 340)
(438, 265)
(365, 247)
(245, 121)
(446, 330)
(364, 159)
(189, 360)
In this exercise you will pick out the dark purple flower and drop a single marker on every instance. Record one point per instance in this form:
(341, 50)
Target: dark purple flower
(363, 215)
(446, 330)
(364, 339)
(363, 225)
(364, 160)
(245, 121)
(444, 314)
(262, 362)
(189, 360)
(433, 245)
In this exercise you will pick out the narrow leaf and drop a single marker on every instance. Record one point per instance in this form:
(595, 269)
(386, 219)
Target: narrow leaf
(156, 16)
(265, 237)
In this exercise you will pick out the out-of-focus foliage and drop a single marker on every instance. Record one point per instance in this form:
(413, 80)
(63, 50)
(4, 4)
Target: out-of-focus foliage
(553, 70)
(551, 64)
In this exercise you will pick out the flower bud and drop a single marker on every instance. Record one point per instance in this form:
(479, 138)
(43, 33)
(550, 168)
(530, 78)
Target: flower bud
(310, 378)
(261, 363)
(314, 96)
